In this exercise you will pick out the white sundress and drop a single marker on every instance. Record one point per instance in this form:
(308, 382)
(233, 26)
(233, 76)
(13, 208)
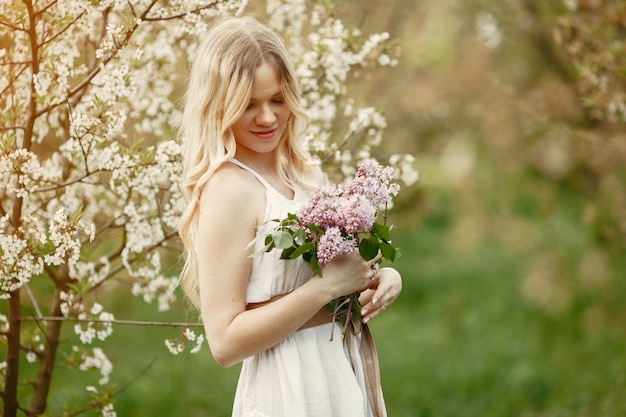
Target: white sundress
(305, 375)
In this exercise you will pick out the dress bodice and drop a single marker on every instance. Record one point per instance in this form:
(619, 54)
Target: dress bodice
(271, 276)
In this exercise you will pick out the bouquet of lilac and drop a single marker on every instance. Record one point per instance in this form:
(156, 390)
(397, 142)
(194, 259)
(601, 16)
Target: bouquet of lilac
(335, 221)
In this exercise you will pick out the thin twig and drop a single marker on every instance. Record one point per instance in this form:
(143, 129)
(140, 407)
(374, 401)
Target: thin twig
(121, 390)
(177, 16)
(115, 321)
(33, 300)
(342, 145)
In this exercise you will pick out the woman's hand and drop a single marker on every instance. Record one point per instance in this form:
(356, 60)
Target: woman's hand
(349, 273)
(381, 293)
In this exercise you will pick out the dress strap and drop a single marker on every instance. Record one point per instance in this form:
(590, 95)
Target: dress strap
(258, 176)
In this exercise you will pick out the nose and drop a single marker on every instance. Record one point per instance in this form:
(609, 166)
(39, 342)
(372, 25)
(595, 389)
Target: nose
(265, 116)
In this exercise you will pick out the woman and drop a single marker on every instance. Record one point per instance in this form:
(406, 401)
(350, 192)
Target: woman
(244, 164)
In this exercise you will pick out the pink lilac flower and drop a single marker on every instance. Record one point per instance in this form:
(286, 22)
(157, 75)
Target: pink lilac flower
(357, 213)
(322, 208)
(350, 213)
(332, 244)
(374, 181)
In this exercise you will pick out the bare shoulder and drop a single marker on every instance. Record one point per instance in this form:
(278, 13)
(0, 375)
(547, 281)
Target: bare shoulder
(234, 191)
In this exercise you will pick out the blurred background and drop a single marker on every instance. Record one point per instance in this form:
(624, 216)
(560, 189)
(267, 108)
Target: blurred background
(513, 240)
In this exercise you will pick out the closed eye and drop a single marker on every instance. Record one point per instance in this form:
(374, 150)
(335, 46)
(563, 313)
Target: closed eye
(275, 100)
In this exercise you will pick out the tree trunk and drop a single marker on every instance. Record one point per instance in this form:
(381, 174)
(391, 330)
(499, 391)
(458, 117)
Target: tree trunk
(44, 375)
(13, 356)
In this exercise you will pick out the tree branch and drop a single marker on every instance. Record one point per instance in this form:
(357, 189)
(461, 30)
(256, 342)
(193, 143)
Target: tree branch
(121, 322)
(120, 268)
(45, 8)
(179, 15)
(13, 356)
(12, 27)
(41, 386)
(59, 33)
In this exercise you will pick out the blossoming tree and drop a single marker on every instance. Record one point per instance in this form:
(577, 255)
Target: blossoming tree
(90, 162)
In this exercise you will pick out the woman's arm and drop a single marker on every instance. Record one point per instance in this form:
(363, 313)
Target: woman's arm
(230, 208)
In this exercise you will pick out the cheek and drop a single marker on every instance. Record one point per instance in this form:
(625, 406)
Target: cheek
(241, 124)
(236, 131)
(284, 115)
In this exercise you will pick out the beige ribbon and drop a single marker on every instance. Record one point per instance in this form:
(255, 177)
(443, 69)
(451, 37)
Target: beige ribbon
(369, 360)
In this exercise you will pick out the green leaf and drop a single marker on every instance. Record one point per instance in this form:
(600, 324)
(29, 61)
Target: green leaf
(269, 246)
(78, 215)
(282, 239)
(313, 227)
(368, 248)
(300, 236)
(388, 250)
(308, 246)
(286, 253)
(315, 266)
(382, 231)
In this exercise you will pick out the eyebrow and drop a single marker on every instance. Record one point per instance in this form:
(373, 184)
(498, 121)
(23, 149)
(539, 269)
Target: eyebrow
(277, 94)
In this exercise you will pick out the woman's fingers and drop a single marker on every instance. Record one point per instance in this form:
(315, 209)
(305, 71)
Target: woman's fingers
(349, 273)
(387, 290)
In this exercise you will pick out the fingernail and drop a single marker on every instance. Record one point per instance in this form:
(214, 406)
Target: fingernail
(366, 319)
(375, 301)
(364, 312)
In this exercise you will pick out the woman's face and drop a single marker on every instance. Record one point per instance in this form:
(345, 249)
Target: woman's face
(263, 122)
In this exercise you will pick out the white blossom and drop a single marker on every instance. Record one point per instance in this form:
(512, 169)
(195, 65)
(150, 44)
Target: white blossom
(108, 411)
(175, 347)
(100, 328)
(90, 272)
(98, 361)
(66, 235)
(85, 334)
(18, 264)
(404, 165)
(487, 29)
(105, 328)
(71, 306)
(199, 342)
(159, 288)
(18, 171)
(4, 323)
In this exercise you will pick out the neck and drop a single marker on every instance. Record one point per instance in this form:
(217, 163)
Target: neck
(264, 164)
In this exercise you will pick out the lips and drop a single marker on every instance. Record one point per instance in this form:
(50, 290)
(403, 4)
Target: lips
(265, 134)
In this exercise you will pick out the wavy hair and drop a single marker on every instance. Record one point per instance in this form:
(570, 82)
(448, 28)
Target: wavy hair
(220, 85)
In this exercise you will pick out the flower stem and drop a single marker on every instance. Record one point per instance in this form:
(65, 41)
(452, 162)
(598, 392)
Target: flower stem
(348, 316)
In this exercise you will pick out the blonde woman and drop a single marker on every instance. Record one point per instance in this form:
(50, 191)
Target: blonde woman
(244, 164)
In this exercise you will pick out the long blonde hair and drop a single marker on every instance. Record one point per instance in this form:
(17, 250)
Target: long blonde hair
(219, 90)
